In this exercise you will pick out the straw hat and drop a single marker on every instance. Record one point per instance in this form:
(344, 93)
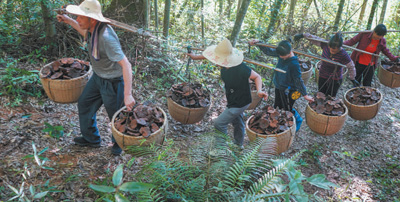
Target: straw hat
(88, 8)
(224, 54)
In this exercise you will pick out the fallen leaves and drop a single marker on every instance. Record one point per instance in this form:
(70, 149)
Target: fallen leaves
(327, 105)
(270, 121)
(189, 95)
(363, 96)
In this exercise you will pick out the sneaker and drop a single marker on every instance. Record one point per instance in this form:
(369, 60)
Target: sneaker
(82, 142)
(116, 150)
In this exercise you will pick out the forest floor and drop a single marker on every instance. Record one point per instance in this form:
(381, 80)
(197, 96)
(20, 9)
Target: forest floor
(363, 158)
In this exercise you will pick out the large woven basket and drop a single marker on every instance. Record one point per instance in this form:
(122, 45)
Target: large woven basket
(64, 91)
(316, 71)
(307, 75)
(126, 140)
(284, 139)
(255, 100)
(323, 124)
(388, 78)
(186, 115)
(361, 112)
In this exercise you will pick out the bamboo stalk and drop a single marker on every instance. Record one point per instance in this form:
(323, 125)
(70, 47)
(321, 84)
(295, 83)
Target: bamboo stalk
(252, 62)
(365, 31)
(306, 54)
(356, 49)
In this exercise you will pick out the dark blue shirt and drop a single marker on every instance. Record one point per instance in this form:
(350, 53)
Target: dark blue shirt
(237, 87)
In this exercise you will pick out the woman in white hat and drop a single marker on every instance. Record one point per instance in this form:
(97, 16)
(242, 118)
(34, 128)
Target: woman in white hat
(235, 75)
(111, 83)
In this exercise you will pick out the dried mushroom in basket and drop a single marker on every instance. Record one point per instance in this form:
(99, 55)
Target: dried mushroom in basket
(270, 121)
(391, 66)
(144, 120)
(305, 65)
(327, 105)
(65, 68)
(189, 95)
(363, 96)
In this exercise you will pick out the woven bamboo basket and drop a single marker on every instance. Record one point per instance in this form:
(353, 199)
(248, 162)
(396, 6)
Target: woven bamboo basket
(284, 139)
(306, 75)
(316, 71)
(361, 112)
(255, 100)
(64, 91)
(323, 124)
(388, 78)
(126, 140)
(186, 115)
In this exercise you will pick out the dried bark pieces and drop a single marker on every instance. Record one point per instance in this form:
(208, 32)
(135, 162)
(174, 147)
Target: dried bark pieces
(66, 68)
(189, 95)
(327, 105)
(305, 65)
(363, 96)
(391, 66)
(270, 121)
(144, 120)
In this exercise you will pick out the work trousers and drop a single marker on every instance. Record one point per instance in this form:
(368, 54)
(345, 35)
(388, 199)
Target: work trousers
(329, 86)
(364, 74)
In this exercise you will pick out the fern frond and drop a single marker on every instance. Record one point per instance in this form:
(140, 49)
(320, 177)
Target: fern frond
(265, 197)
(150, 195)
(139, 151)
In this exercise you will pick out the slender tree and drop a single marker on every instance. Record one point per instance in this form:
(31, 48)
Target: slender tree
(362, 12)
(202, 20)
(274, 18)
(239, 21)
(338, 15)
(50, 28)
(371, 14)
(383, 12)
(167, 12)
(238, 6)
(156, 15)
(146, 15)
(305, 13)
(228, 8)
(128, 11)
(316, 8)
(221, 6)
(290, 19)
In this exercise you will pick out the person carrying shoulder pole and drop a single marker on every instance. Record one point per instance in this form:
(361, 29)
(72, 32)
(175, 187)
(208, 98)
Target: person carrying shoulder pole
(111, 83)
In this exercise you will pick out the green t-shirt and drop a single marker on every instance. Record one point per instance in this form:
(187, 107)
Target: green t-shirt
(237, 87)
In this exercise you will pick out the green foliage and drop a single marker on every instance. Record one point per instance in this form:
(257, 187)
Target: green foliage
(54, 131)
(386, 179)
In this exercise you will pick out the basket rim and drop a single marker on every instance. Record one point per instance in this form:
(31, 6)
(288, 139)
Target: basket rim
(311, 68)
(343, 115)
(381, 67)
(138, 137)
(61, 80)
(187, 108)
(273, 135)
(363, 106)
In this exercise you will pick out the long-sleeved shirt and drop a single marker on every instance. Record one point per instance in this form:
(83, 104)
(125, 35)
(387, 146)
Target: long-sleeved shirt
(363, 40)
(327, 69)
(292, 77)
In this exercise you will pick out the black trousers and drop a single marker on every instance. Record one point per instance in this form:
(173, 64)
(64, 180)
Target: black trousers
(283, 101)
(329, 86)
(364, 73)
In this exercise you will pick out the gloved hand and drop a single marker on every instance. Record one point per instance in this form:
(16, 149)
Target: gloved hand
(355, 83)
(297, 37)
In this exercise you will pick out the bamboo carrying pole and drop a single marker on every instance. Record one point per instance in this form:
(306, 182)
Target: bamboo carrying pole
(115, 23)
(252, 62)
(356, 49)
(365, 31)
(305, 54)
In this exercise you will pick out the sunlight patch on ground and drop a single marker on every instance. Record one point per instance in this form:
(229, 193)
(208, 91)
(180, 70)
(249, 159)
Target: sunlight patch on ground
(357, 188)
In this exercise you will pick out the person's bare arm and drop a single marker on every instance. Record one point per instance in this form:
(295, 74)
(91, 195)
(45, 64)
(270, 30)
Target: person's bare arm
(257, 80)
(72, 22)
(127, 75)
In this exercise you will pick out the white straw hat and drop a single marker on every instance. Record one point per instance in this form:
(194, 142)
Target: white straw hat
(224, 54)
(88, 8)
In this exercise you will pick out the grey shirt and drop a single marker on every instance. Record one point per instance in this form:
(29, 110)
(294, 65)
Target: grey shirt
(110, 53)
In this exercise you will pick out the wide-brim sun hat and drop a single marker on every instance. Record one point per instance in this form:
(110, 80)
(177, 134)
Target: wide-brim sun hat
(224, 54)
(88, 8)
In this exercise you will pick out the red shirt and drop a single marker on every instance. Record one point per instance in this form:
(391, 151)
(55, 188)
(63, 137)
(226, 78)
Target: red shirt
(365, 59)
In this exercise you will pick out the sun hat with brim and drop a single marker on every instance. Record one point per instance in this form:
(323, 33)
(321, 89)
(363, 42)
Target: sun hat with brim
(88, 8)
(224, 54)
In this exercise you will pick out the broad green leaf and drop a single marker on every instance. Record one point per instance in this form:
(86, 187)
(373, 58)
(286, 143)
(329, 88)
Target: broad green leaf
(43, 150)
(47, 168)
(118, 174)
(102, 188)
(135, 186)
(41, 194)
(13, 189)
(320, 181)
(107, 200)
(120, 198)
(32, 190)
(34, 147)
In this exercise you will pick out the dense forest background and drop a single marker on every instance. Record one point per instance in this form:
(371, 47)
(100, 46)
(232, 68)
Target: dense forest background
(38, 159)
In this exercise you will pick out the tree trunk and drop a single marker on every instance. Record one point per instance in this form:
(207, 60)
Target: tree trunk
(238, 7)
(202, 20)
(338, 15)
(316, 8)
(221, 7)
(50, 28)
(384, 6)
(167, 11)
(228, 9)
(239, 21)
(156, 15)
(305, 13)
(146, 16)
(397, 15)
(274, 18)
(371, 15)
(290, 19)
(128, 11)
(262, 13)
(360, 19)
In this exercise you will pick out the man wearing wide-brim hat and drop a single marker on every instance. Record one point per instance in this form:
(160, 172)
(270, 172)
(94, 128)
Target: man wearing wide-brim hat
(111, 83)
(235, 75)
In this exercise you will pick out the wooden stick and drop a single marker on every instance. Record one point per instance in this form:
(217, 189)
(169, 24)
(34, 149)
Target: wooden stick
(365, 31)
(306, 54)
(252, 62)
(356, 49)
